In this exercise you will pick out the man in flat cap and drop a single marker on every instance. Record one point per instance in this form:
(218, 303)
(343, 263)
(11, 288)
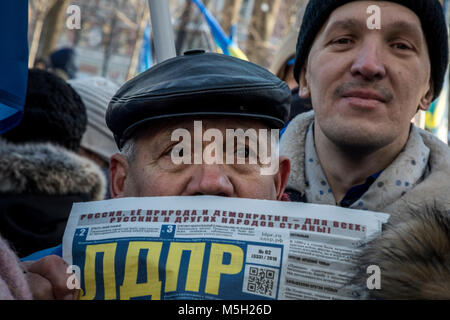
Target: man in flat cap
(358, 148)
(199, 97)
(172, 125)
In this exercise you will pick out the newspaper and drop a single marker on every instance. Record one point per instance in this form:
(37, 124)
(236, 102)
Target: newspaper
(208, 247)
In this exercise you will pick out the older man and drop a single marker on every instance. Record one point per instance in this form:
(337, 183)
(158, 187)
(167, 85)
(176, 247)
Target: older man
(369, 66)
(207, 96)
(198, 124)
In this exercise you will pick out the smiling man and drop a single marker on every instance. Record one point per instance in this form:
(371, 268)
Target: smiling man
(358, 148)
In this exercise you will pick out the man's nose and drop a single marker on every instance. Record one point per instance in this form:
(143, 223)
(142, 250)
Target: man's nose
(210, 179)
(368, 62)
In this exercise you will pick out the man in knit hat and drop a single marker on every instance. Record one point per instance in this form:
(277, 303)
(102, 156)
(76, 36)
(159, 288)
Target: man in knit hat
(98, 142)
(41, 176)
(369, 67)
(40, 172)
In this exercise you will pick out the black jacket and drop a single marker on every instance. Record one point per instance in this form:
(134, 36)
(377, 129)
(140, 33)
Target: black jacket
(38, 185)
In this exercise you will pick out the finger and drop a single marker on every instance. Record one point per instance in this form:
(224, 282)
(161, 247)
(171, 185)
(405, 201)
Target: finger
(54, 269)
(40, 287)
(26, 264)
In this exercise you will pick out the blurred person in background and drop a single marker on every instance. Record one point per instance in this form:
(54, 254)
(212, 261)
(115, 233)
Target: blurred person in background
(283, 68)
(20, 281)
(41, 63)
(63, 63)
(98, 142)
(41, 175)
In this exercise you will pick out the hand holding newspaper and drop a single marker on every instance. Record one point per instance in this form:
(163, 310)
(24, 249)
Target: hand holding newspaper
(208, 247)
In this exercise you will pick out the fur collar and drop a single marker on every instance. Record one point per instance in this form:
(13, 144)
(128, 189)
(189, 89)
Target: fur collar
(413, 256)
(43, 168)
(292, 145)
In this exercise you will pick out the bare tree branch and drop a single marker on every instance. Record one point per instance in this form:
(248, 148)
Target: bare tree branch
(42, 8)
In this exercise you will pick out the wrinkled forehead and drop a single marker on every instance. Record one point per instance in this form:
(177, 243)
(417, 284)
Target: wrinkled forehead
(161, 129)
(358, 14)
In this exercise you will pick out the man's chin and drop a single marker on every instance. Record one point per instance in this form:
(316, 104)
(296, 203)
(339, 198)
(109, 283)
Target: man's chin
(359, 139)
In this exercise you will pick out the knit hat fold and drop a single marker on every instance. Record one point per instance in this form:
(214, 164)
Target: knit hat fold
(96, 92)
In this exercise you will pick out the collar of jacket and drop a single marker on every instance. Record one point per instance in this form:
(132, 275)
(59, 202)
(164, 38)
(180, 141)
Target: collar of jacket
(432, 192)
(292, 145)
(46, 169)
(418, 228)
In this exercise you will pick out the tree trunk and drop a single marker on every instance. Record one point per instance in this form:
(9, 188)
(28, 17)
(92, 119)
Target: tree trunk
(230, 14)
(181, 34)
(142, 22)
(260, 30)
(52, 28)
(109, 39)
(35, 40)
(41, 9)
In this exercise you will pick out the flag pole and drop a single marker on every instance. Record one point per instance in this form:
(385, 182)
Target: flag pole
(162, 30)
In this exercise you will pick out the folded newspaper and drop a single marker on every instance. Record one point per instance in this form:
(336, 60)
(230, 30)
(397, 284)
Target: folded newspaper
(207, 247)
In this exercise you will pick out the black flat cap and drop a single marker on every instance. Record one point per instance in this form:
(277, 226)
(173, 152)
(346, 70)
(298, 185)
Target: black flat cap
(198, 83)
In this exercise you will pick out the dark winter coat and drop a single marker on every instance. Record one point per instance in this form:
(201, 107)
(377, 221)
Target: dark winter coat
(38, 184)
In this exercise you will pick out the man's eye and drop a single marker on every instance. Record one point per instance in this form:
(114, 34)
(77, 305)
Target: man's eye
(176, 151)
(342, 41)
(243, 152)
(401, 46)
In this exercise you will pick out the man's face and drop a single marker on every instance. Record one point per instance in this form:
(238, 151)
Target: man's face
(366, 85)
(153, 171)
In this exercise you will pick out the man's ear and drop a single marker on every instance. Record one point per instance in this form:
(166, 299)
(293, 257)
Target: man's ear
(427, 99)
(282, 176)
(118, 172)
(303, 91)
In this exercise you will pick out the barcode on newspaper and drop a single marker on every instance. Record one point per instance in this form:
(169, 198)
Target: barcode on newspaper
(261, 281)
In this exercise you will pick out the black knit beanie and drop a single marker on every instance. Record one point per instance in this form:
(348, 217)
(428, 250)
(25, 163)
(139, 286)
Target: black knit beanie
(53, 113)
(430, 13)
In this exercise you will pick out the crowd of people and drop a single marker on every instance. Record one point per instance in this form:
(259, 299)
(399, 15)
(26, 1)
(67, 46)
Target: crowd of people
(352, 145)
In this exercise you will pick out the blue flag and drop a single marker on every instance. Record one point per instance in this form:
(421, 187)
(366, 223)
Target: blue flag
(226, 44)
(13, 62)
(146, 55)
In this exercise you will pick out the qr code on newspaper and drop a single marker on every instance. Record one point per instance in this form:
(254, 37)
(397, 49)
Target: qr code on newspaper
(262, 281)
